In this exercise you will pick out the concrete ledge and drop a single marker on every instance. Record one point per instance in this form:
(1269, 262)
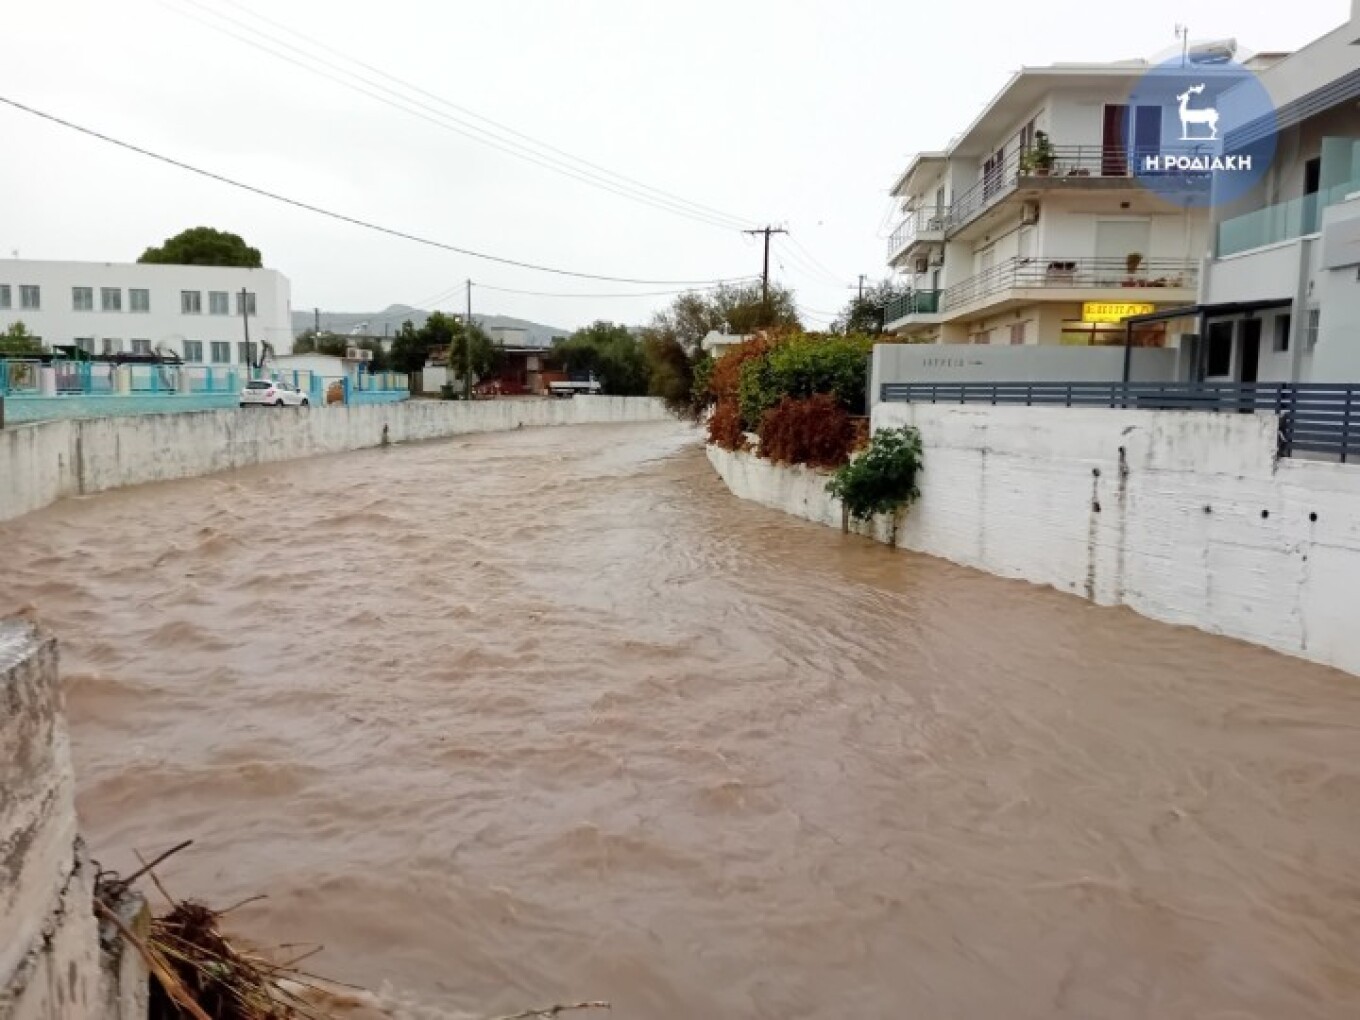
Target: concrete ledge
(52, 966)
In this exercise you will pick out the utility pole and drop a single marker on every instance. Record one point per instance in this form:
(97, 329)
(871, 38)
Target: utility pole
(861, 286)
(316, 330)
(765, 271)
(467, 346)
(245, 321)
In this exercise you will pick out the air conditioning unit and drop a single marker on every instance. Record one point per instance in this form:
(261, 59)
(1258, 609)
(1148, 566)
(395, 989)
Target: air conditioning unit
(921, 264)
(358, 354)
(1029, 214)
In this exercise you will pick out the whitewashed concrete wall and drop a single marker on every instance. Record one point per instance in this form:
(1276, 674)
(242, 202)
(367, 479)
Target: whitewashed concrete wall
(1184, 517)
(51, 964)
(41, 463)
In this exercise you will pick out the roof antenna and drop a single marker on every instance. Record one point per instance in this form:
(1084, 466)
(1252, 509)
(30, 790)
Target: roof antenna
(1183, 33)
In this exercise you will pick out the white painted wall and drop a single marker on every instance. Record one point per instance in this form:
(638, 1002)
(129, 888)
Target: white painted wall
(1043, 495)
(41, 463)
(1337, 289)
(164, 325)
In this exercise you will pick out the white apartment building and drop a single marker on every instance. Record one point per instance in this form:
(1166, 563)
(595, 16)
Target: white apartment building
(200, 313)
(1280, 300)
(1029, 227)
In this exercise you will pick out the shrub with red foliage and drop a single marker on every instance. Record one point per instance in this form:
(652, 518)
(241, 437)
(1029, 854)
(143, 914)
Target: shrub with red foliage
(724, 382)
(724, 426)
(815, 431)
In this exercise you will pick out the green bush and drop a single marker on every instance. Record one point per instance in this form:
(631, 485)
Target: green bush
(883, 479)
(802, 366)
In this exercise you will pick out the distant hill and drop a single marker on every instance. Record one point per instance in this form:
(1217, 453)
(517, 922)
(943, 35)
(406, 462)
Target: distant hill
(390, 319)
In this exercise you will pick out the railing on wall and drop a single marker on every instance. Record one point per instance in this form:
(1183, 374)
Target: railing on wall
(1315, 418)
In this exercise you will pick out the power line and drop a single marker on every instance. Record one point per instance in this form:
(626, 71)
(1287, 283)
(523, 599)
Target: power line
(343, 218)
(813, 259)
(736, 220)
(649, 293)
(347, 78)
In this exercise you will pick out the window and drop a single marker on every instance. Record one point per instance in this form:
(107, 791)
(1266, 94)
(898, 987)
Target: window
(111, 299)
(218, 303)
(82, 299)
(221, 352)
(30, 296)
(246, 352)
(139, 300)
(85, 343)
(193, 350)
(4, 295)
(112, 346)
(1018, 332)
(190, 302)
(1282, 325)
(1314, 325)
(1111, 334)
(141, 346)
(981, 337)
(1220, 350)
(250, 303)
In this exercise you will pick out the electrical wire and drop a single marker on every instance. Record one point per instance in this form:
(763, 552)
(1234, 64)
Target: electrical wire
(347, 78)
(814, 260)
(651, 293)
(342, 217)
(349, 58)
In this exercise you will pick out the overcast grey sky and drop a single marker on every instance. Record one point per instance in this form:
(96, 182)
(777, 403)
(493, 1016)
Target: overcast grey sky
(794, 112)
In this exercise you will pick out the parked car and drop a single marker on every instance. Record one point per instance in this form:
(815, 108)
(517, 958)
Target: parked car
(272, 394)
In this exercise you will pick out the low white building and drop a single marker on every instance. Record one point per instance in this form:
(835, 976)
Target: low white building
(200, 313)
(716, 344)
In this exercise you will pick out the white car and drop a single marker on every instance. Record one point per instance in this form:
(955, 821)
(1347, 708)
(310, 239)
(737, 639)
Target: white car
(272, 394)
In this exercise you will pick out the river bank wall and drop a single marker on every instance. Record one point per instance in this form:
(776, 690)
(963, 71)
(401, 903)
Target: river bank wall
(43, 462)
(1185, 517)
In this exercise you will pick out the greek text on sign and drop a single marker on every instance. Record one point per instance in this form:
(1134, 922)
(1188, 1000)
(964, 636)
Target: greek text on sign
(1113, 311)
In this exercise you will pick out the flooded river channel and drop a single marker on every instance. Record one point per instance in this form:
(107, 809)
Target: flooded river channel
(516, 719)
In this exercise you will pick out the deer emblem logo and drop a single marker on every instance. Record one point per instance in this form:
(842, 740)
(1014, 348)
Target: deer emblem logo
(1208, 116)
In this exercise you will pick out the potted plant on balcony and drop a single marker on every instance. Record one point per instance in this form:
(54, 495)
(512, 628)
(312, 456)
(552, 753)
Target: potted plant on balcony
(1038, 159)
(1132, 261)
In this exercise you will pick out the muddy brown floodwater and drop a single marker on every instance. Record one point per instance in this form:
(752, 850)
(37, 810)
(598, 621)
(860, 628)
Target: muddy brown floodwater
(514, 719)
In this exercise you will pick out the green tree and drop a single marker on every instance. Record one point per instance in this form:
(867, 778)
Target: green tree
(204, 246)
(738, 309)
(411, 348)
(409, 351)
(670, 372)
(18, 340)
(863, 314)
(612, 353)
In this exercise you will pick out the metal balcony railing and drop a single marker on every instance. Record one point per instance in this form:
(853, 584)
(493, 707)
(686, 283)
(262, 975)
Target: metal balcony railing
(918, 302)
(918, 222)
(1314, 418)
(1070, 163)
(1060, 272)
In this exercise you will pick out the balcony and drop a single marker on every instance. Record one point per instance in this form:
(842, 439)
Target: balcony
(1285, 221)
(916, 303)
(920, 225)
(1173, 279)
(1089, 167)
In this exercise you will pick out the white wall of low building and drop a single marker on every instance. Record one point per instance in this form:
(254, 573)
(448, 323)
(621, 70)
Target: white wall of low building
(165, 324)
(1337, 287)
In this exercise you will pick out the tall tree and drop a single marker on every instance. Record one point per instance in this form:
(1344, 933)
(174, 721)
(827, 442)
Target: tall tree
(863, 314)
(737, 309)
(412, 346)
(204, 246)
(611, 353)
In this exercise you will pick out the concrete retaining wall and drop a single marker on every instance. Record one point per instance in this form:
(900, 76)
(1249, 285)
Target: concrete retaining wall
(1184, 517)
(51, 965)
(42, 463)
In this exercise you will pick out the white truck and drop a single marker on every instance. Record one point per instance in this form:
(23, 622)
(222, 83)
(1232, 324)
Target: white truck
(579, 383)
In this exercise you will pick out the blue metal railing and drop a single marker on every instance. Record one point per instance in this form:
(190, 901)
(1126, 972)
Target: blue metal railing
(1319, 418)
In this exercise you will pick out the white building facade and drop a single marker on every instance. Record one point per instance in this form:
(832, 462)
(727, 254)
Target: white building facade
(202, 314)
(1280, 300)
(1029, 227)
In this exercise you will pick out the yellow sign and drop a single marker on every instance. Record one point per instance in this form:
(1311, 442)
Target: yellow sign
(1113, 311)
